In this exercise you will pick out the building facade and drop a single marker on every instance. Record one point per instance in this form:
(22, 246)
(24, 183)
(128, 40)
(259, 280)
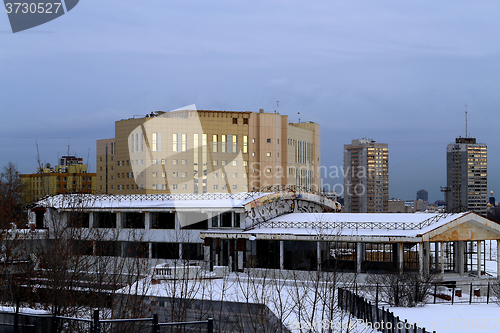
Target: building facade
(366, 180)
(466, 171)
(423, 195)
(202, 151)
(70, 176)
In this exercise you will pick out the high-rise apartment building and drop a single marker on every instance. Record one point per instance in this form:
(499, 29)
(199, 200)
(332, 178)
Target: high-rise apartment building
(466, 176)
(204, 151)
(423, 195)
(366, 181)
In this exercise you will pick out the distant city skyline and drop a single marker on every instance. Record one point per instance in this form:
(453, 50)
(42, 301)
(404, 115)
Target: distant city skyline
(399, 73)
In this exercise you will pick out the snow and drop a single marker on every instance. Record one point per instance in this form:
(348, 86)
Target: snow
(12, 309)
(457, 318)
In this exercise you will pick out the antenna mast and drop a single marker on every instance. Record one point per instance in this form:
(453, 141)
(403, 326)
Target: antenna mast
(466, 135)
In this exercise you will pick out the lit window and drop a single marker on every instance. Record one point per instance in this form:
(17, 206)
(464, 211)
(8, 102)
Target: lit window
(235, 163)
(174, 162)
(245, 143)
(224, 162)
(268, 154)
(268, 170)
(214, 163)
(245, 163)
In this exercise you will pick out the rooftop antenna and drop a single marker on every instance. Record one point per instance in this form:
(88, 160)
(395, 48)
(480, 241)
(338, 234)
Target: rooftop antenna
(466, 135)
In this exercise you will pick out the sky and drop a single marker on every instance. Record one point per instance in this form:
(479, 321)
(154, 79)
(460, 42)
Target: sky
(398, 72)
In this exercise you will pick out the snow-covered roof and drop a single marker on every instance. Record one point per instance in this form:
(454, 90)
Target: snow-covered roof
(348, 226)
(149, 201)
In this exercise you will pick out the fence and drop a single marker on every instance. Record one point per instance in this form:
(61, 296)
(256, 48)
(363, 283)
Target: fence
(373, 317)
(41, 323)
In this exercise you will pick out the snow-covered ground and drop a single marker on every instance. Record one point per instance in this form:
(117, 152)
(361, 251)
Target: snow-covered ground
(458, 318)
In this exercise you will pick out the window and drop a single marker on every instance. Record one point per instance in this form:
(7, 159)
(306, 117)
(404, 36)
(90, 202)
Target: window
(223, 145)
(245, 175)
(174, 162)
(174, 174)
(223, 175)
(163, 161)
(245, 163)
(154, 143)
(235, 175)
(155, 174)
(64, 178)
(245, 143)
(235, 187)
(268, 140)
(154, 187)
(99, 177)
(163, 174)
(216, 187)
(174, 186)
(184, 142)
(216, 175)
(268, 154)
(268, 170)
(235, 121)
(224, 163)
(214, 143)
(184, 187)
(245, 121)
(184, 162)
(253, 140)
(174, 142)
(235, 163)
(215, 163)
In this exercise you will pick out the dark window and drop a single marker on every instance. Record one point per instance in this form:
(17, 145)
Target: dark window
(133, 220)
(300, 255)
(194, 220)
(83, 247)
(39, 218)
(78, 220)
(165, 250)
(236, 220)
(235, 121)
(163, 220)
(105, 220)
(192, 251)
(136, 250)
(225, 220)
(108, 248)
(245, 121)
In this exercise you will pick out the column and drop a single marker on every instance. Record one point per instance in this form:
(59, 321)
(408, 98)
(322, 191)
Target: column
(359, 256)
(318, 256)
(498, 258)
(241, 249)
(147, 220)
(206, 252)
(400, 258)
(427, 253)
(119, 220)
(282, 255)
(91, 220)
(460, 257)
(180, 251)
(441, 245)
(421, 259)
(479, 259)
(436, 255)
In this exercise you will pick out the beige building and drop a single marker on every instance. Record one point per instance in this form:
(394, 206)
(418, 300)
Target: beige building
(204, 151)
(366, 181)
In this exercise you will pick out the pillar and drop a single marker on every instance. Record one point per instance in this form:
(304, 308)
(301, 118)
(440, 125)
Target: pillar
(400, 258)
(460, 257)
(318, 256)
(91, 220)
(479, 259)
(498, 258)
(359, 256)
(147, 220)
(421, 259)
(436, 255)
(427, 253)
(282, 255)
(441, 246)
(241, 249)
(206, 252)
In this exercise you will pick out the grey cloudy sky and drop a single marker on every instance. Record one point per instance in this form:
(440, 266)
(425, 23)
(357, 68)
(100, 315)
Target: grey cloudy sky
(399, 72)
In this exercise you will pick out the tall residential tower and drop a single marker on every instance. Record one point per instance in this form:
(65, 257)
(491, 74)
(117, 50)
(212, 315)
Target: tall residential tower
(466, 171)
(366, 181)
